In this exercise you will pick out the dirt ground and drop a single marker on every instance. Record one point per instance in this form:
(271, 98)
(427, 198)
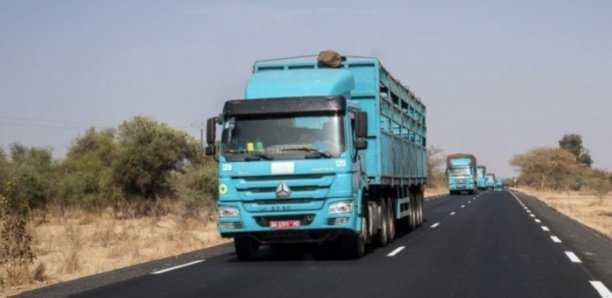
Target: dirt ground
(594, 211)
(82, 243)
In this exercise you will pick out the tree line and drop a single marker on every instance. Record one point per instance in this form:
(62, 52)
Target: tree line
(141, 159)
(566, 167)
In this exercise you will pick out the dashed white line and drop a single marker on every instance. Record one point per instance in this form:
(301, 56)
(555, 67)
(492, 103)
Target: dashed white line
(537, 220)
(573, 257)
(177, 267)
(601, 289)
(528, 211)
(555, 239)
(531, 215)
(545, 228)
(462, 206)
(435, 225)
(469, 202)
(396, 251)
(452, 213)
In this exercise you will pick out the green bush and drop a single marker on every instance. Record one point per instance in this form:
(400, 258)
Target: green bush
(197, 186)
(86, 175)
(149, 153)
(32, 171)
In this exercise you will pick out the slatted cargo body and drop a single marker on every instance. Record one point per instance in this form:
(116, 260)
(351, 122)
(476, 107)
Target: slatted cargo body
(397, 130)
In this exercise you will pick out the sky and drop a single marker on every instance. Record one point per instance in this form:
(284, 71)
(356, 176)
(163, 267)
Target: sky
(497, 77)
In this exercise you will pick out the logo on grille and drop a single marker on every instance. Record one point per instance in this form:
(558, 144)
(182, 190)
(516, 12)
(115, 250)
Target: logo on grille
(283, 191)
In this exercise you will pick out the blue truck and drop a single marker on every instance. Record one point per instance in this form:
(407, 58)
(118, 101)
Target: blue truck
(321, 149)
(499, 184)
(481, 180)
(461, 173)
(490, 180)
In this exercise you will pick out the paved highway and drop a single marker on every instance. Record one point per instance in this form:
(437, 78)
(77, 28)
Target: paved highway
(494, 244)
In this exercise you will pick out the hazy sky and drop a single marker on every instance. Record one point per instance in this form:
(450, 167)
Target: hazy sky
(498, 77)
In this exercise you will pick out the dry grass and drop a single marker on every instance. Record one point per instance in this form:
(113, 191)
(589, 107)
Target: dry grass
(592, 210)
(82, 243)
(434, 191)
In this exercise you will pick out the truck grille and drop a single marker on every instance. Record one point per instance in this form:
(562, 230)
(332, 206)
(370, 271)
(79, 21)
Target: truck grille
(258, 188)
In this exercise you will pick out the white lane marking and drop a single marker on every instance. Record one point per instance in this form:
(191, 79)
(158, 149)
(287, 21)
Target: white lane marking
(531, 215)
(573, 257)
(452, 213)
(537, 220)
(462, 206)
(601, 289)
(177, 267)
(555, 239)
(545, 228)
(396, 251)
(528, 211)
(435, 225)
(469, 202)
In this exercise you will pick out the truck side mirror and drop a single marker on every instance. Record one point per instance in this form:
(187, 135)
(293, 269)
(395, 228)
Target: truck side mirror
(211, 131)
(361, 124)
(361, 130)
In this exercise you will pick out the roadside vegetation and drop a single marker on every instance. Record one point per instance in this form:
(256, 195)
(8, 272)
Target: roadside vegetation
(120, 196)
(436, 166)
(563, 178)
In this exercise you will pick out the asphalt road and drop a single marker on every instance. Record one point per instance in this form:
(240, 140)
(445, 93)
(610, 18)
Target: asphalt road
(495, 244)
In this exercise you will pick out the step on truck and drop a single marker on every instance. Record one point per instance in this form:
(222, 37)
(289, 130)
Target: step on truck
(461, 173)
(481, 181)
(321, 149)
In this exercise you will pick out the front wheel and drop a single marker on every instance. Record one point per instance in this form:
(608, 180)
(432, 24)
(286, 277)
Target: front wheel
(353, 245)
(247, 248)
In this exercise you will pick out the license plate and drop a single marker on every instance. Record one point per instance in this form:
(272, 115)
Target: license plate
(284, 224)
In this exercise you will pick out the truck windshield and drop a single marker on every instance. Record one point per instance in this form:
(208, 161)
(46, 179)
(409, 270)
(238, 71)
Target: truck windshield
(459, 172)
(282, 137)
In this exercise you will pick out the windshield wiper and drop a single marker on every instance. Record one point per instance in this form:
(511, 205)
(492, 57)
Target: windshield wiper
(258, 156)
(316, 152)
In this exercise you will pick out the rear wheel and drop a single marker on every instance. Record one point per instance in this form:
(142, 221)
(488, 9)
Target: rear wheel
(391, 220)
(412, 222)
(421, 201)
(247, 248)
(383, 233)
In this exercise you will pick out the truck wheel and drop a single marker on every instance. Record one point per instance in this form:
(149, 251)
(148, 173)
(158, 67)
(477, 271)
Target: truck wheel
(421, 201)
(354, 244)
(247, 248)
(383, 233)
(391, 218)
(412, 222)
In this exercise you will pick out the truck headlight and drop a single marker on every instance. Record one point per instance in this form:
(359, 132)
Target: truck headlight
(226, 211)
(340, 207)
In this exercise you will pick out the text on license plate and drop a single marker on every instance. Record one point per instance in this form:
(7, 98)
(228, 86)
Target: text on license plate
(284, 224)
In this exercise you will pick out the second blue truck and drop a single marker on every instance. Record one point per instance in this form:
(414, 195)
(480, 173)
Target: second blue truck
(461, 173)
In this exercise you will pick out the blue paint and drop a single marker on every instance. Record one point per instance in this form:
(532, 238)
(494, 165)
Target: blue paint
(395, 158)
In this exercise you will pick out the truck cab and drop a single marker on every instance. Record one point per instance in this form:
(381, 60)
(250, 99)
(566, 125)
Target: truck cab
(461, 173)
(490, 180)
(481, 180)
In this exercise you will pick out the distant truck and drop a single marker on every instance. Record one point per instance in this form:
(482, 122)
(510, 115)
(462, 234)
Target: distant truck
(327, 149)
(490, 180)
(461, 173)
(499, 184)
(481, 180)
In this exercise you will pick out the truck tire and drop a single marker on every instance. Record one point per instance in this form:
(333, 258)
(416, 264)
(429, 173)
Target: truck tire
(412, 222)
(381, 238)
(391, 218)
(353, 245)
(421, 200)
(247, 248)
